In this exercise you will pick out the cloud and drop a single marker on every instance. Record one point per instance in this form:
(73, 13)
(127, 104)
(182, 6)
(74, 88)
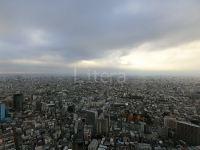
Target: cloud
(101, 32)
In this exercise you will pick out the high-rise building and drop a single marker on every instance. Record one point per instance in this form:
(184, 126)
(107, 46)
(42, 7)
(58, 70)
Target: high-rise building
(163, 132)
(91, 117)
(143, 126)
(119, 123)
(188, 132)
(2, 111)
(170, 122)
(105, 126)
(18, 101)
(103, 123)
(98, 126)
(107, 116)
(148, 129)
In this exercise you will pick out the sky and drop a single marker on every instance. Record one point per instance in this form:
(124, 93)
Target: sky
(135, 37)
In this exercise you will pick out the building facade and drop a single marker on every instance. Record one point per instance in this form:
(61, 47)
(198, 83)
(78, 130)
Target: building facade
(18, 100)
(170, 122)
(188, 132)
(2, 111)
(91, 117)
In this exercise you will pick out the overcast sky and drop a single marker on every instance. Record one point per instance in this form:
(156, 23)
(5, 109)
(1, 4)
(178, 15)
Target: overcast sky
(144, 36)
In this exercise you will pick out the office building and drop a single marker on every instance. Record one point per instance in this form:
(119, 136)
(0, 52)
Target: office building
(98, 126)
(163, 132)
(188, 132)
(148, 129)
(91, 117)
(103, 123)
(105, 126)
(2, 111)
(18, 100)
(143, 126)
(119, 123)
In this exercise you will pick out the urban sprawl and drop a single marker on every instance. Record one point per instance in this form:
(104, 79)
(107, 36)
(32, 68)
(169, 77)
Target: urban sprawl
(39, 112)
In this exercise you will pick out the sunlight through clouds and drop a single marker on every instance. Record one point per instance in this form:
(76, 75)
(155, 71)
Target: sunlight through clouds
(183, 57)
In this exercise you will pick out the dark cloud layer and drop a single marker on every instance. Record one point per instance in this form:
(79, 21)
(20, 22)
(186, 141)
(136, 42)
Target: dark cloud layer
(84, 30)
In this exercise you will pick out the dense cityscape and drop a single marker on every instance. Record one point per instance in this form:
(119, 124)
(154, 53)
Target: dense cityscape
(100, 75)
(61, 112)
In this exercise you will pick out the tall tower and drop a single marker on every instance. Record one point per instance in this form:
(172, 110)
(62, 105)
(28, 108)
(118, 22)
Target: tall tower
(2, 111)
(18, 101)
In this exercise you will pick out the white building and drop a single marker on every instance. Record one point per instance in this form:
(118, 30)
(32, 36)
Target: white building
(93, 145)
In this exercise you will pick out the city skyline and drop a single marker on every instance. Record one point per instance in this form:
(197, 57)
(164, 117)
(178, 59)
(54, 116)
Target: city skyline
(133, 37)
